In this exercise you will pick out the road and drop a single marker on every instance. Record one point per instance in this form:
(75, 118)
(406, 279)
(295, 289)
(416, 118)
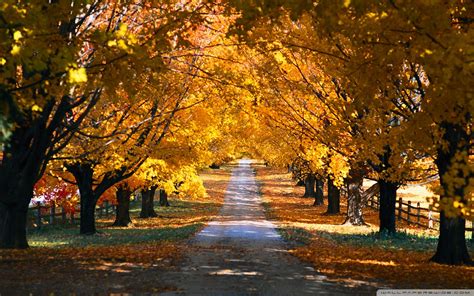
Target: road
(241, 253)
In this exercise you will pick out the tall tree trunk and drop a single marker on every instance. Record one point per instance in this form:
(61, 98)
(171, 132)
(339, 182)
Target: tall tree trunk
(309, 186)
(300, 183)
(388, 200)
(354, 198)
(13, 225)
(452, 247)
(334, 198)
(20, 167)
(164, 198)
(122, 211)
(319, 197)
(145, 193)
(87, 224)
(83, 173)
(148, 206)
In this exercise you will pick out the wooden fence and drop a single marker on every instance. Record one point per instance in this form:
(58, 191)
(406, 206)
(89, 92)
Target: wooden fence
(53, 214)
(415, 214)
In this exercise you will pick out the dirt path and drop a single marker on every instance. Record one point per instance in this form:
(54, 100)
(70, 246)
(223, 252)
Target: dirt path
(241, 253)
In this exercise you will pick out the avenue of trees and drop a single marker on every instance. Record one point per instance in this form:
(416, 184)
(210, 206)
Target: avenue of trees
(109, 97)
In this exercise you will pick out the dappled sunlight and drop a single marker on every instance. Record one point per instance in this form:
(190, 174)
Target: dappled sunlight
(236, 272)
(331, 228)
(114, 267)
(384, 263)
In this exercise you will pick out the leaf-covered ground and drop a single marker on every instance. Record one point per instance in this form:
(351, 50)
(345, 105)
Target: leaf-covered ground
(118, 260)
(353, 254)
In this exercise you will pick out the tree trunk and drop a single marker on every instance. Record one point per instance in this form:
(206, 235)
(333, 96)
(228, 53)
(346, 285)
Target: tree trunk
(13, 225)
(388, 199)
(354, 198)
(309, 186)
(452, 247)
(21, 164)
(122, 211)
(148, 207)
(145, 193)
(300, 183)
(83, 173)
(319, 197)
(164, 198)
(88, 203)
(334, 198)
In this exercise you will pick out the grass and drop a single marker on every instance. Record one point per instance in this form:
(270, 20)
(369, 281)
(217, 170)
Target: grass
(398, 241)
(295, 235)
(55, 236)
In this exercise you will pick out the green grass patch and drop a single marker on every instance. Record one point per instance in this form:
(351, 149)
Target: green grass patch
(177, 208)
(269, 213)
(56, 236)
(398, 241)
(295, 235)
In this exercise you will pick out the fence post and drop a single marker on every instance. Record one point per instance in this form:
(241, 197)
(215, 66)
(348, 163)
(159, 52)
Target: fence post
(63, 215)
(418, 213)
(38, 215)
(408, 212)
(430, 219)
(106, 208)
(52, 213)
(400, 202)
(472, 231)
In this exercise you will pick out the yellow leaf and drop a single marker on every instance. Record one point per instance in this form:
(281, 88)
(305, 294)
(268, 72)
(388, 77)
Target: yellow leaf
(15, 50)
(36, 108)
(122, 45)
(17, 35)
(347, 3)
(78, 75)
(122, 30)
(2, 61)
(112, 43)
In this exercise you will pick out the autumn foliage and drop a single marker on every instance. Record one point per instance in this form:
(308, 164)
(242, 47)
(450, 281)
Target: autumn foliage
(105, 100)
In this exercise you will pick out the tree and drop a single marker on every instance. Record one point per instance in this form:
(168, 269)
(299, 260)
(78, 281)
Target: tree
(57, 55)
(383, 39)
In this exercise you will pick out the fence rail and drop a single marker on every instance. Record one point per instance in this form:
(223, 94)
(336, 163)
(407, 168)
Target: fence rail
(51, 212)
(414, 214)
